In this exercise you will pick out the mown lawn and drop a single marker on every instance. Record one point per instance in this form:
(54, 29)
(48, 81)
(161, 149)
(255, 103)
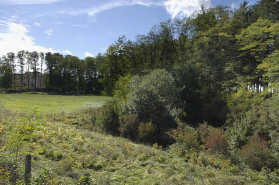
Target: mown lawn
(50, 103)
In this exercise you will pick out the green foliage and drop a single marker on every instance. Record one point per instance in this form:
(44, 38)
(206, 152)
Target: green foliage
(186, 79)
(239, 133)
(203, 131)
(146, 132)
(20, 140)
(216, 141)
(87, 180)
(154, 99)
(108, 118)
(241, 102)
(129, 126)
(270, 67)
(121, 90)
(5, 75)
(185, 136)
(46, 177)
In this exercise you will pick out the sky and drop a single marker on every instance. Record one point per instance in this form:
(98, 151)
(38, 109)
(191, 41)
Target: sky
(85, 28)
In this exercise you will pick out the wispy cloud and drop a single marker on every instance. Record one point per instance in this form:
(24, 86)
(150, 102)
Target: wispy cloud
(16, 2)
(12, 32)
(87, 54)
(98, 9)
(67, 52)
(49, 32)
(173, 7)
(37, 24)
(78, 25)
(184, 8)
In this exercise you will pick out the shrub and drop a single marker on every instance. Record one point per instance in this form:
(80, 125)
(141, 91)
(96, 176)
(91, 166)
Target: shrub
(108, 118)
(47, 176)
(203, 131)
(146, 132)
(216, 142)
(239, 133)
(185, 136)
(154, 98)
(129, 126)
(256, 153)
(87, 179)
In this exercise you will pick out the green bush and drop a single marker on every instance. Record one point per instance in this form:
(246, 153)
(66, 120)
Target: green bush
(47, 176)
(129, 126)
(108, 118)
(146, 132)
(87, 179)
(154, 98)
(185, 136)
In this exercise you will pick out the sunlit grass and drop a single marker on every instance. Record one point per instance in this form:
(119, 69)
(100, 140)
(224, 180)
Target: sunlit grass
(50, 103)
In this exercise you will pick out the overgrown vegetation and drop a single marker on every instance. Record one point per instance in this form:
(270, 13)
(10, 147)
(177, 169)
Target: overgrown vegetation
(203, 91)
(65, 151)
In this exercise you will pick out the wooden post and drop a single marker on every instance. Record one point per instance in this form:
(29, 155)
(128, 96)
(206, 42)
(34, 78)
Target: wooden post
(27, 174)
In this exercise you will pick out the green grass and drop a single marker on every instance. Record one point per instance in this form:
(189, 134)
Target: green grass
(50, 103)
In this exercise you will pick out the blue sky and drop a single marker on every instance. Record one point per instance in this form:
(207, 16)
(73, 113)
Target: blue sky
(85, 27)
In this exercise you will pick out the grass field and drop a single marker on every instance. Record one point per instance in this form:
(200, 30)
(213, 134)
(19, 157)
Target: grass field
(50, 103)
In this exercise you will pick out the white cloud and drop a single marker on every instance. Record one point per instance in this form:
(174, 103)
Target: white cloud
(95, 10)
(67, 52)
(15, 37)
(37, 24)
(15, 2)
(185, 7)
(86, 54)
(233, 6)
(173, 7)
(49, 32)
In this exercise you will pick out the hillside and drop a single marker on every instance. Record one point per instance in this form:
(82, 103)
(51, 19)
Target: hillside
(64, 149)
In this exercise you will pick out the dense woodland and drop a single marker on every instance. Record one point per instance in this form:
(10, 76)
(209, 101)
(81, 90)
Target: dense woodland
(210, 79)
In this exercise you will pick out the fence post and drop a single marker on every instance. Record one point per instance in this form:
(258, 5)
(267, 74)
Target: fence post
(27, 174)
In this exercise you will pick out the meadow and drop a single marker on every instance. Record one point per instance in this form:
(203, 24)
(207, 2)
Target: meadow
(64, 146)
(50, 103)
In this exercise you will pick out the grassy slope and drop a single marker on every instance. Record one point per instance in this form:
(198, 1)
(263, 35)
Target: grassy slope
(70, 151)
(49, 103)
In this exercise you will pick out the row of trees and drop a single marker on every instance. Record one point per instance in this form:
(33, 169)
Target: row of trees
(56, 72)
(12, 65)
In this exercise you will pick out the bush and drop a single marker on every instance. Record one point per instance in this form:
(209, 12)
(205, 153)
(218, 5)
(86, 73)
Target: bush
(185, 136)
(203, 131)
(146, 132)
(154, 98)
(256, 153)
(239, 133)
(129, 126)
(216, 142)
(108, 118)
